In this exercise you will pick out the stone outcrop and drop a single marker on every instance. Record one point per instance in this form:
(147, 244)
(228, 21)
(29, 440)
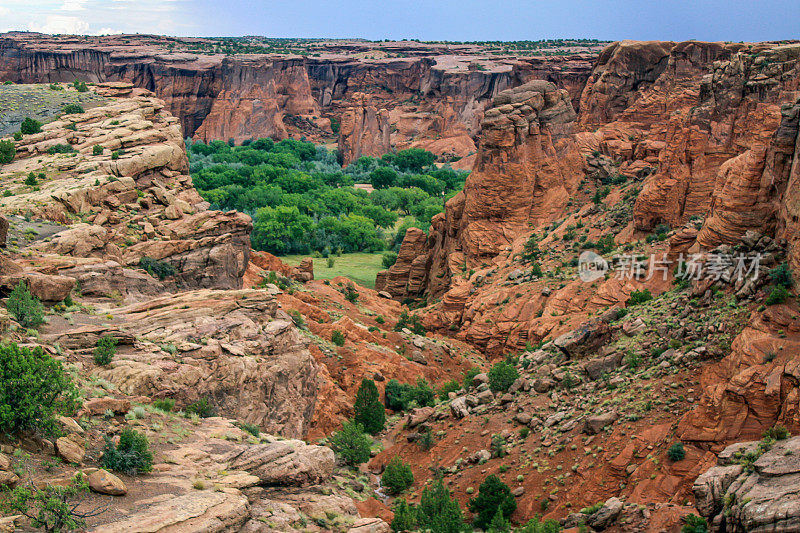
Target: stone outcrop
(764, 497)
(133, 200)
(227, 346)
(364, 130)
(287, 462)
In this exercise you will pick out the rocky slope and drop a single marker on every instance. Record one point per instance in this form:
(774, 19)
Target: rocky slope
(426, 96)
(692, 146)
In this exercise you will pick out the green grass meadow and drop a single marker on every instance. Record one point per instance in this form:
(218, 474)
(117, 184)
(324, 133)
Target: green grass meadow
(359, 267)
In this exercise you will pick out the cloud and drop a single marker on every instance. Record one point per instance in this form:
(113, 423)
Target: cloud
(73, 5)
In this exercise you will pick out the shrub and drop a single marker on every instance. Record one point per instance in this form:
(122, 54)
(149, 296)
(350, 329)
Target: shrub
(132, 456)
(350, 293)
(337, 338)
(447, 388)
(253, 429)
(493, 496)
(638, 297)
(25, 307)
(53, 508)
(61, 149)
(397, 476)
(34, 388)
(781, 276)
(31, 180)
(777, 296)
(106, 350)
(389, 259)
(157, 269)
(425, 439)
(498, 446)
(30, 126)
(7, 152)
(405, 516)
(501, 376)
(499, 523)
(351, 444)
(71, 109)
(368, 409)
(777, 432)
(524, 431)
(469, 375)
(201, 408)
(164, 404)
(97, 150)
(535, 525)
(676, 452)
(115, 155)
(694, 524)
(80, 86)
(411, 322)
(438, 511)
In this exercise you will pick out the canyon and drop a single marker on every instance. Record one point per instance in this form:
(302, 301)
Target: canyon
(684, 151)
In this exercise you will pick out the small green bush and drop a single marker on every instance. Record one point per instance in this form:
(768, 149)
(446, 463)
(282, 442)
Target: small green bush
(34, 388)
(777, 296)
(447, 388)
(30, 126)
(337, 338)
(412, 322)
(25, 307)
(106, 350)
(164, 404)
(71, 109)
(7, 152)
(253, 429)
(676, 452)
(402, 396)
(61, 149)
(31, 180)
(389, 259)
(51, 508)
(397, 476)
(777, 432)
(638, 297)
(97, 150)
(351, 443)
(781, 276)
(132, 456)
(201, 408)
(694, 524)
(157, 269)
(501, 376)
(80, 86)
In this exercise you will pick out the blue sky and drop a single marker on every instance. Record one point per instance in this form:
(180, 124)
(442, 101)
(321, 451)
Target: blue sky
(732, 20)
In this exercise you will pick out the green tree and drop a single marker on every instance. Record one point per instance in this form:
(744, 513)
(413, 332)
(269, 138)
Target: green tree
(501, 376)
(25, 307)
(493, 496)
(389, 259)
(782, 276)
(34, 388)
(499, 523)
(106, 350)
(397, 476)
(7, 152)
(414, 159)
(405, 516)
(52, 508)
(132, 456)
(30, 126)
(383, 178)
(368, 409)
(278, 230)
(351, 443)
(438, 511)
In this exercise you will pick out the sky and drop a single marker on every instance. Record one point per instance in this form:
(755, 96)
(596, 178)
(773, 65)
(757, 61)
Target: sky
(457, 20)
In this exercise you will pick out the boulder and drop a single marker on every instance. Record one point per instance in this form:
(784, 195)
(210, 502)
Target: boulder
(584, 339)
(418, 416)
(594, 424)
(286, 462)
(305, 270)
(369, 525)
(459, 407)
(44, 286)
(98, 406)
(606, 515)
(104, 482)
(70, 450)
